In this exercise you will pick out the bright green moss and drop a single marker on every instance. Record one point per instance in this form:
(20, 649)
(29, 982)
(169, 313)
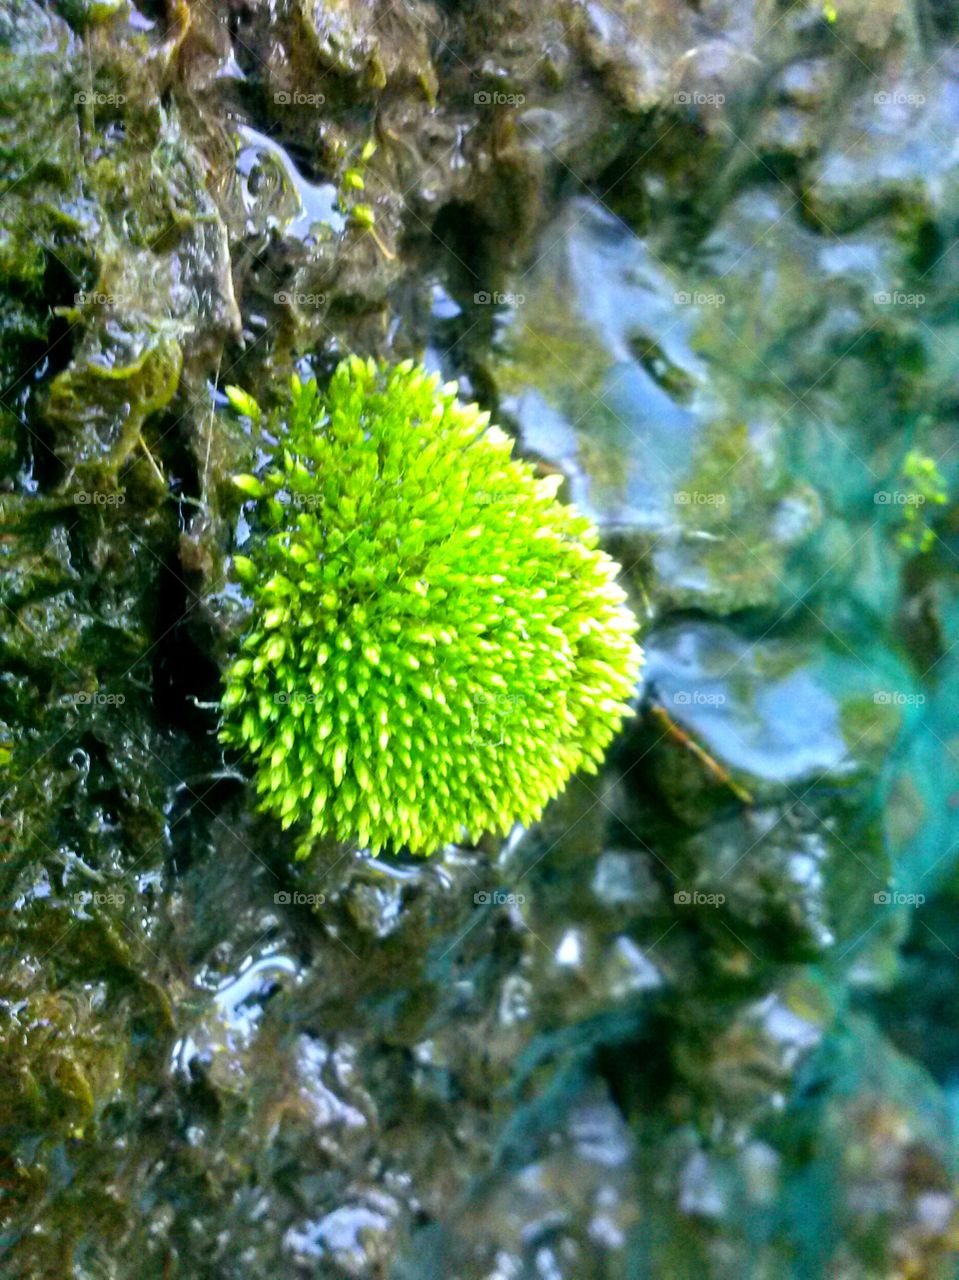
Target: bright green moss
(436, 642)
(927, 487)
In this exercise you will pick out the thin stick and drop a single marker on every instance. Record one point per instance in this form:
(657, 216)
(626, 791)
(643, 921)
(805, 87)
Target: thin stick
(703, 756)
(153, 462)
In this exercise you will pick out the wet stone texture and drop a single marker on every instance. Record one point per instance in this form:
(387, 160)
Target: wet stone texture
(701, 260)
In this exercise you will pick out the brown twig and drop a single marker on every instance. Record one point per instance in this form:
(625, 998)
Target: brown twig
(703, 756)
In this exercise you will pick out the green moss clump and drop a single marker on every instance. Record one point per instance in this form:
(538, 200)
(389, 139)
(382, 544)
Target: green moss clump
(436, 642)
(927, 487)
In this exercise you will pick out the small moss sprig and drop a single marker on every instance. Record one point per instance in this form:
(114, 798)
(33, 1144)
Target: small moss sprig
(928, 488)
(436, 642)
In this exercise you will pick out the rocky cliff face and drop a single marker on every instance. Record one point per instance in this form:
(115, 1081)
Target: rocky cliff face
(701, 260)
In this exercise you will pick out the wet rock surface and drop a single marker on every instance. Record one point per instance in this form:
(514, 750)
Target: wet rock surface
(702, 260)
